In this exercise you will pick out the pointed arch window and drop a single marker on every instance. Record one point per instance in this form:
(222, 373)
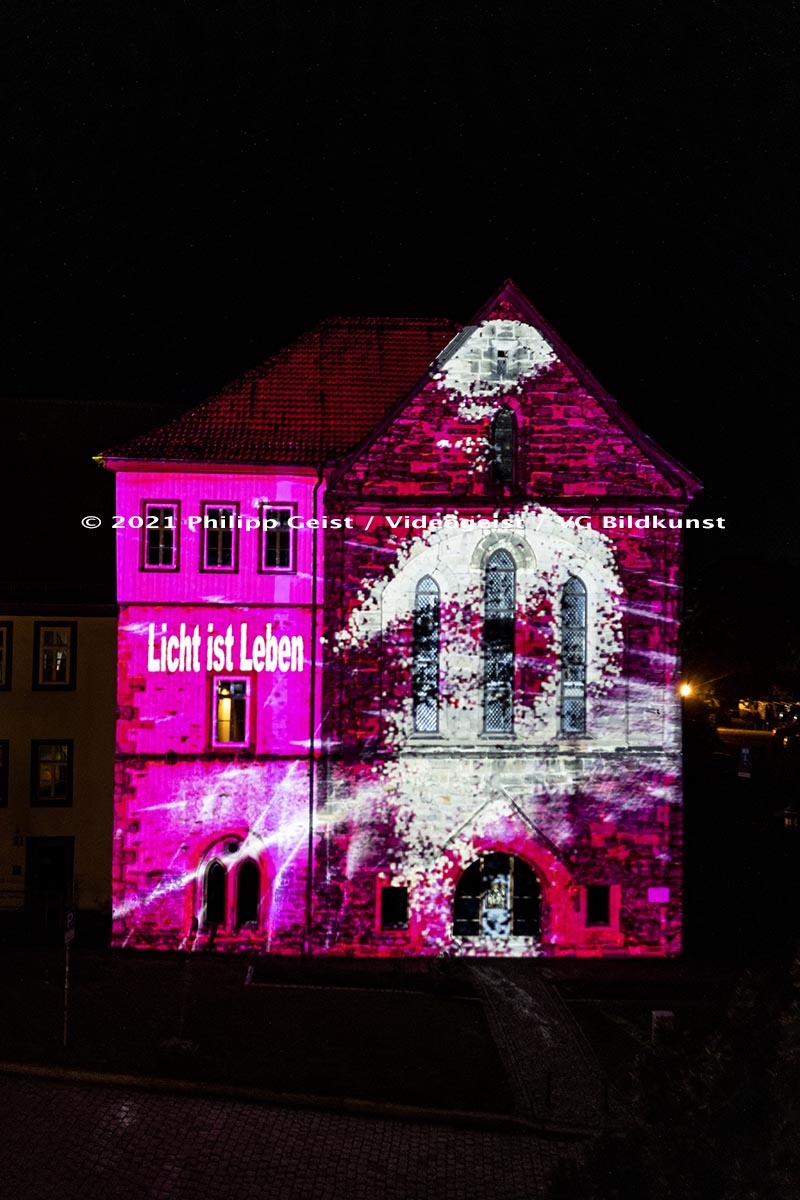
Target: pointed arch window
(573, 656)
(216, 887)
(498, 643)
(248, 888)
(504, 446)
(425, 657)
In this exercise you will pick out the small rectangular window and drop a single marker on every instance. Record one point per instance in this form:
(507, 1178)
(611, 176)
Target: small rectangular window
(598, 904)
(220, 538)
(6, 628)
(277, 538)
(160, 535)
(4, 773)
(230, 712)
(54, 655)
(51, 774)
(394, 908)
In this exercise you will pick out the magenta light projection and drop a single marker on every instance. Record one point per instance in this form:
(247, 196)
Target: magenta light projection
(398, 655)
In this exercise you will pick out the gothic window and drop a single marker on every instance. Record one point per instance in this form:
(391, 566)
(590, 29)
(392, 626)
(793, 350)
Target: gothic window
(216, 887)
(248, 887)
(573, 657)
(497, 896)
(504, 445)
(498, 643)
(425, 657)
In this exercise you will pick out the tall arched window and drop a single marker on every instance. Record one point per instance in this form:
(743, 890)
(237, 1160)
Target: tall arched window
(425, 657)
(248, 888)
(573, 656)
(216, 887)
(504, 445)
(498, 643)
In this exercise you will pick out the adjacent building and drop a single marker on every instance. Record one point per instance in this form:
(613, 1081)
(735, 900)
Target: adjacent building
(398, 655)
(57, 668)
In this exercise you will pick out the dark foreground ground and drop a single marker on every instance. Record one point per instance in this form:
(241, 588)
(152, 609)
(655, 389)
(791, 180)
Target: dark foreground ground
(223, 1077)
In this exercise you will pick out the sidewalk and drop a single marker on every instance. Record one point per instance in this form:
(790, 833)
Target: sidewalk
(488, 1041)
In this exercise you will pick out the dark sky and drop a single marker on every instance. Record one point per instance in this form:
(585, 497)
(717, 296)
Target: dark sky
(188, 186)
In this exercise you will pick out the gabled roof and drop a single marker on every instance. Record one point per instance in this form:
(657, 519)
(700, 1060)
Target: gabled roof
(314, 401)
(509, 303)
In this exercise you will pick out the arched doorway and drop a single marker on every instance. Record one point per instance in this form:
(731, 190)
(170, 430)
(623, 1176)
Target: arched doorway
(498, 895)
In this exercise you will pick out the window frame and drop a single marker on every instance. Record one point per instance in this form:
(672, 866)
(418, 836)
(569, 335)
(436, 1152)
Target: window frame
(417, 663)
(224, 854)
(272, 506)
(144, 565)
(6, 654)
(55, 685)
(498, 479)
(511, 621)
(385, 886)
(216, 679)
(608, 923)
(36, 799)
(5, 775)
(205, 567)
(582, 683)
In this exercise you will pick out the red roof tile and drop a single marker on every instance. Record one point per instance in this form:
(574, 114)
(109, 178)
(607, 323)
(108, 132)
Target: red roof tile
(316, 399)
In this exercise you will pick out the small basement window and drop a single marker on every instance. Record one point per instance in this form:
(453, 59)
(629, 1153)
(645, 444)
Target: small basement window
(598, 904)
(394, 908)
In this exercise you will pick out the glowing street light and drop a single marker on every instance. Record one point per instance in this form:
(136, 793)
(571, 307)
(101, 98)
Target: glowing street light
(685, 689)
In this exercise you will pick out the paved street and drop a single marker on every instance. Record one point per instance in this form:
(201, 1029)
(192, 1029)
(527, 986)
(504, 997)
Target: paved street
(89, 1142)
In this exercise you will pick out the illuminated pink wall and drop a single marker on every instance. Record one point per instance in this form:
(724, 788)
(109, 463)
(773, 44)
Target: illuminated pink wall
(184, 801)
(569, 816)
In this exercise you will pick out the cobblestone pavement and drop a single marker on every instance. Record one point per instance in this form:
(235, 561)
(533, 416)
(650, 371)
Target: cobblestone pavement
(94, 1142)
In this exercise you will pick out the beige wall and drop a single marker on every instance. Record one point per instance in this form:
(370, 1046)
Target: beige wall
(86, 715)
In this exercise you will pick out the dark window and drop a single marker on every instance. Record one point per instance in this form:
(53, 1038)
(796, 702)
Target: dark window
(498, 643)
(498, 895)
(598, 904)
(248, 887)
(230, 712)
(4, 773)
(504, 439)
(6, 628)
(220, 541)
(394, 908)
(425, 658)
(51, 774)
(501, 364)
(278, 539)
(216, 883)
(160, 535)
(54, 654)
(573, 657)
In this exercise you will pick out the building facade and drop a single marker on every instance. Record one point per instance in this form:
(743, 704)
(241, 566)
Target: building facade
(56, 768)
(398, 655)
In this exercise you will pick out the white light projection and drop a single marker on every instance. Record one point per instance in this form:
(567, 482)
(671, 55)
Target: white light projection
(472, 368)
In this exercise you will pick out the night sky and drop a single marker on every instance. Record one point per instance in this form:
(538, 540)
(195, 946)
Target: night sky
(189, 186)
